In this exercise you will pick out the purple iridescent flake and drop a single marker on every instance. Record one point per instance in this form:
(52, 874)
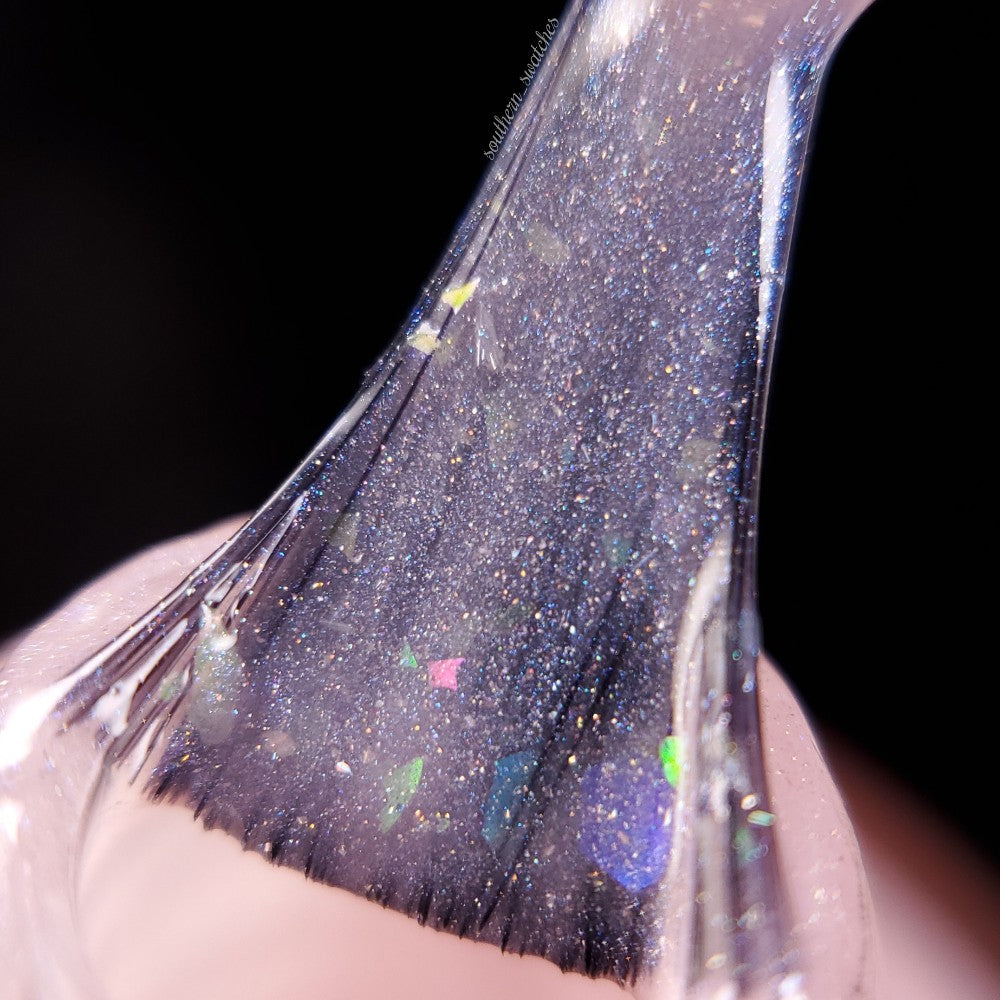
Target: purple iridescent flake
(626, 829)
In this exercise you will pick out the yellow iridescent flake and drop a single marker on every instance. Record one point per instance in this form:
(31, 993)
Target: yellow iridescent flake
(457, 297)
(424, 338)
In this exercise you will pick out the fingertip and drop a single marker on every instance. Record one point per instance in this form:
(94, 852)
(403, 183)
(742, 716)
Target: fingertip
(829, 906)
(102, 609)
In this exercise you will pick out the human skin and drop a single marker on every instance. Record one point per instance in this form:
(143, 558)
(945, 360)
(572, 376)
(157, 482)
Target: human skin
(146, 918)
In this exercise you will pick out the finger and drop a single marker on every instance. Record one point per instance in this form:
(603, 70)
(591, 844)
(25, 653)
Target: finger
(158, 892)
(936, 902)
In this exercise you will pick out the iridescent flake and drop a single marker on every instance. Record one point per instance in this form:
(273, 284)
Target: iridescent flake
(407, 658)
(444, 673)
(670, 759)
(217, 682)
(424, 338)
(617, 550)
(508, 792)
(345, 534)
(400, 786)
(626, 827)
(457, 297)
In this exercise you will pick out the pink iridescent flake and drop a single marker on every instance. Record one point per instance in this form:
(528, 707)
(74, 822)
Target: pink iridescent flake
(444, 673)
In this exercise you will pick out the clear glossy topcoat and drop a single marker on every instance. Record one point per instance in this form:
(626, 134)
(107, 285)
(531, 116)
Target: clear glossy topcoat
(488, 657)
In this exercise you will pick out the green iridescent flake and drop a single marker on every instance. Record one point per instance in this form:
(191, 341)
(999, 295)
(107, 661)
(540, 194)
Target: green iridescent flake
(670, 759)
(170, 688)
(617, 550)
(744, 844)
(760, 817)
(516, 613)
(400, 786)
(748, 846)
(407, 658)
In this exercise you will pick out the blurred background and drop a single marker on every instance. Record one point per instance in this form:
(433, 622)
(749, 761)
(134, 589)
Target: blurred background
(175, 182)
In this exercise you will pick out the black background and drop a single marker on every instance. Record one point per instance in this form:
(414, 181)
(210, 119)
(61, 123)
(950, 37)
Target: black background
(175, 181)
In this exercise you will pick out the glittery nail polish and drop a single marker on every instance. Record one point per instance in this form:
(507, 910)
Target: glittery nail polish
(488, 657)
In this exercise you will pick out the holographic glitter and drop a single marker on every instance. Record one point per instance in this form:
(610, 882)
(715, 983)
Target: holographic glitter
(444, 673)
(407, 658)
(457, 297)
(511, 784)
(670, 760)
(400, 786)
(344, 536)
(627, 820)
(424, 338)
(551, 471)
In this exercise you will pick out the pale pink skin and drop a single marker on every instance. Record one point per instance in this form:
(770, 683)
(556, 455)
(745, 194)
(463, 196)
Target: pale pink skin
(152, 930)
